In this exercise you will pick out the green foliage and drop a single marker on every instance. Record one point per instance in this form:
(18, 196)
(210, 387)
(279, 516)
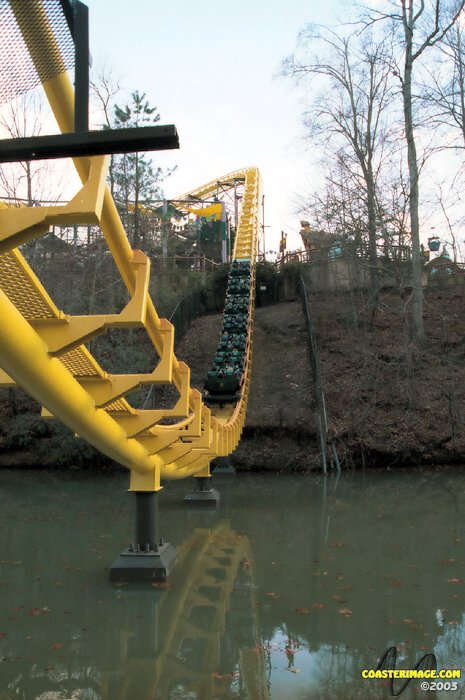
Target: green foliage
(266, 274)
(134, 180)
(215, 290)
(25, 430)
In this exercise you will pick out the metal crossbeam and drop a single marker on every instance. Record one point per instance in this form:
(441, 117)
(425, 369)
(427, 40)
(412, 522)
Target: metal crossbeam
(89, 143)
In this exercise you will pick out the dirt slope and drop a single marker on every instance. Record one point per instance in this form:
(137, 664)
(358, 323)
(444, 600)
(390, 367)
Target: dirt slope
(279, 430)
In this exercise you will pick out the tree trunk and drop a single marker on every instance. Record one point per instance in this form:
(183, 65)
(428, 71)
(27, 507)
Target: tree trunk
(371, 210)
(418, 328)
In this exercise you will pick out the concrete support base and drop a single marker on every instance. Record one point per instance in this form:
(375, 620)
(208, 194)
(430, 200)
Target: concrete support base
(148, 558)
(203, 493)
(222, 466)
(132, 566)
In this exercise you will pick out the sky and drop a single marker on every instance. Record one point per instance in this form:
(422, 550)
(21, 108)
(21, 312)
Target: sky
(211, 69)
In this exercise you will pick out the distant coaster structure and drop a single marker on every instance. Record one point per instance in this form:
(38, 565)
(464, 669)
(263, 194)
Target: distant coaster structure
(44, 350)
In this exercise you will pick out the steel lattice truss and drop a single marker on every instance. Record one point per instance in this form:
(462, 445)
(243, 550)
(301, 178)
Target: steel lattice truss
(44, 350)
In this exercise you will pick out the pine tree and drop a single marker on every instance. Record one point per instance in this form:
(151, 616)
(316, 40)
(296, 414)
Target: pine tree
(134, 180)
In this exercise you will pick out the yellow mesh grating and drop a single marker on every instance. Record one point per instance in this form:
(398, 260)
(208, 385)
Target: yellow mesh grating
(20, 289)
(120, 405)
(79, 363)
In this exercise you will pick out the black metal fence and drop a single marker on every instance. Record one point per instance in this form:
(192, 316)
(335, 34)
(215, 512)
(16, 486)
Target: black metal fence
(327, 449)
(185, 311)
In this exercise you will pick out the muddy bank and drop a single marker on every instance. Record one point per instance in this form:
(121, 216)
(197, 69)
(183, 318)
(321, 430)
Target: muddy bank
(389, 404)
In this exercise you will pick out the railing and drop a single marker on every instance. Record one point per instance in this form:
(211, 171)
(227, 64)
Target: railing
(195, 263)
(324, 254)
(320, 403)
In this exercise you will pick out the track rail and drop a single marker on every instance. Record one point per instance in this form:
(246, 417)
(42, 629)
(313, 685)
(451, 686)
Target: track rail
(44, 350)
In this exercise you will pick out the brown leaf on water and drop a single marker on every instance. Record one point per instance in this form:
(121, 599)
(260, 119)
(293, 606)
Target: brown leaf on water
(339, 577)
(294, 670)
(447, 561)
(318, 606)
(412, 623)
(337, 543)
(345, 612)
(303, 611)
(389, 622)
(56, 646)
(272, 594)
(38, 611)
(455, 580)
(346, 588)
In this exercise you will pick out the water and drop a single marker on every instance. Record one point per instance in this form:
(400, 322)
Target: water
(285, 592)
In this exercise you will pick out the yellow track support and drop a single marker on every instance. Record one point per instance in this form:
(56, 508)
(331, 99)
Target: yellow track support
(43, 350)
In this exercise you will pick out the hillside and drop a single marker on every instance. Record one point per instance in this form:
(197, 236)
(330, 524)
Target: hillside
(279, 423)
(388, 403)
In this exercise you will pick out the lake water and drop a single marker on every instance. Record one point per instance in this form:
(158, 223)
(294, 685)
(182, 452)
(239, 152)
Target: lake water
(286, 591)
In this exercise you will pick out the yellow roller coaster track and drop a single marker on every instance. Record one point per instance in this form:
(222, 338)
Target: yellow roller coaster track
(43, 350)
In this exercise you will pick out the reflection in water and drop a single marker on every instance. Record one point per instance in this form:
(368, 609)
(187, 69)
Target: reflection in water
(194, 637)
(179, 641)
(287, 591)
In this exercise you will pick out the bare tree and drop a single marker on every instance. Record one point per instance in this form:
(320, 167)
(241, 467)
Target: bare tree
(27, 182)
(352, 114)
(104, 89)
(421, 25)
(444, 92)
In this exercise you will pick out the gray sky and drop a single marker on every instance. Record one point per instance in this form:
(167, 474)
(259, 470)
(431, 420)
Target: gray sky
(210, 69)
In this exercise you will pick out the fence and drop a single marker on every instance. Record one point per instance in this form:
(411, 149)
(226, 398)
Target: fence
(195, 263)
(320, 403)
(185, 311)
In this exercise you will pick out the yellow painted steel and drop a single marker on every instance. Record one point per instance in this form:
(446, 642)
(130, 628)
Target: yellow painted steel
(43, 350)
(201, 566)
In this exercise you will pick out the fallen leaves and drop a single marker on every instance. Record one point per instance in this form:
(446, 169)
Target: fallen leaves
(56, 646)
(412, 623)
(303, 611)
(345, 612)
(38, 611)
(455, 580)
